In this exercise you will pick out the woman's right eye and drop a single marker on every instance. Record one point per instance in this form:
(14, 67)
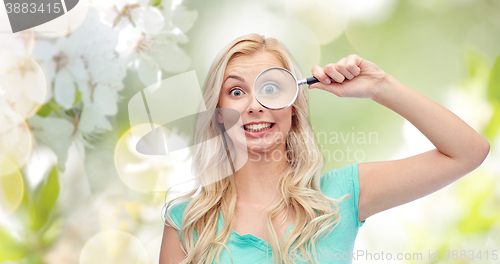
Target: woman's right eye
(236, 92)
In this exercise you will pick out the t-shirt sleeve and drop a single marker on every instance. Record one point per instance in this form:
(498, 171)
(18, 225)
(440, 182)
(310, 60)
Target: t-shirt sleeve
(176, 214)
(338, 182)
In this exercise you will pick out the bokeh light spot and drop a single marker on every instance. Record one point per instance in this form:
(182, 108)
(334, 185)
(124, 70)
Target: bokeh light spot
(113, 247)
(11, 186)
(145, 173)
(15, 140)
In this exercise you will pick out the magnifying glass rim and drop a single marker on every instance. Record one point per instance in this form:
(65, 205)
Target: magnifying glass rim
(296, 90)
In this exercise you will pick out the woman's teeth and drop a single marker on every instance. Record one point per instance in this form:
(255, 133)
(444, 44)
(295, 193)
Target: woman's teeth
(257, 127)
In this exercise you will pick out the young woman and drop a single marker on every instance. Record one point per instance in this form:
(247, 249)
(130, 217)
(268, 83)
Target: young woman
(277, 208)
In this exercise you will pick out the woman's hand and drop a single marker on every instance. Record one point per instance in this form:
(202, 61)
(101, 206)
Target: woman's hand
(352, 77)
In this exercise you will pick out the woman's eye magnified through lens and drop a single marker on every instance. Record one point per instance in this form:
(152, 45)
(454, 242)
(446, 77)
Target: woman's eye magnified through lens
(277, 88)
(270, 88)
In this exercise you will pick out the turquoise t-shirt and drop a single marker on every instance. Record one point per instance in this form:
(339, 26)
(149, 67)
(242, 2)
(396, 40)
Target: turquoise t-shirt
(336, 183)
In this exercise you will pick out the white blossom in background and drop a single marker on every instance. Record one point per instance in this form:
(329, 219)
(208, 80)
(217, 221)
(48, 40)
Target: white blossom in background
(83, 73)
(15, 139)
(106, 72)
(148, 35)
(22, 84)
(85, 60)
(62, 66)
(119, 14)
(20, 42)
(22, 92)
(58, 134)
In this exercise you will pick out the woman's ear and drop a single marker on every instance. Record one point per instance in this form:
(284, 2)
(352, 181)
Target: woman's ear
(293, 111)
(219, 117)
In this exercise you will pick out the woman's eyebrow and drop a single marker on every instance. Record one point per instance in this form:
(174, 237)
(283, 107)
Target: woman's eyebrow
(239, 78)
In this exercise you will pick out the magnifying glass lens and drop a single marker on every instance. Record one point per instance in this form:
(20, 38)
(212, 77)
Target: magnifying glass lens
(275, 88)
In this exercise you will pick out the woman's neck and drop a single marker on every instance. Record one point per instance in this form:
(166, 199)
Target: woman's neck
(257, 181)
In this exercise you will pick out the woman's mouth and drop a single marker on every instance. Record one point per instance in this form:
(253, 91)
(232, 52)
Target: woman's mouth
(258, 127)
(258, 130)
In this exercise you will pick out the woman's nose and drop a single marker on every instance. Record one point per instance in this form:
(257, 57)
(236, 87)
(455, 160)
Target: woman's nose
(254, 105)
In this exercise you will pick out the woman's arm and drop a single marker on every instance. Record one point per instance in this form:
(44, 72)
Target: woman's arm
(383, 185)
(171, 251)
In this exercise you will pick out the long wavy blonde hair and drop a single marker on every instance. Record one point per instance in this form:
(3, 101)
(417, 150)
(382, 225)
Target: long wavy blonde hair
(315, 214)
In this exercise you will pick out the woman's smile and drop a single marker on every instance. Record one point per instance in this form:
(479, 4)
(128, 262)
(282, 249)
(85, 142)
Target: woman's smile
(258, 129)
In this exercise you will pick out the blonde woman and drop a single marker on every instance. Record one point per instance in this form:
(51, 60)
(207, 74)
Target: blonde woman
(278, 208)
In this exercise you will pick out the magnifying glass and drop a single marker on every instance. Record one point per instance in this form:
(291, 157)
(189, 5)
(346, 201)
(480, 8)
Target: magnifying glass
(277, 88)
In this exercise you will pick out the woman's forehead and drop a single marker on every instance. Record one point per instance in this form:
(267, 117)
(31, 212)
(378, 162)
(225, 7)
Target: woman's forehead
(257, 61)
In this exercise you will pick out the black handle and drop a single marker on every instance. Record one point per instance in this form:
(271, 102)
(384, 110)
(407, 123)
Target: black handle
(312, 80)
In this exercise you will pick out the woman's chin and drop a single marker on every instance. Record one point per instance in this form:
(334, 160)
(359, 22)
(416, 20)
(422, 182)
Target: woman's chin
(261, 148)
(258, 149)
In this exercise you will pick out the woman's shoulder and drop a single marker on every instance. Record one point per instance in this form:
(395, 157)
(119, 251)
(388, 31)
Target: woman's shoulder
(176, 212)
(343, 181)
(340, 181)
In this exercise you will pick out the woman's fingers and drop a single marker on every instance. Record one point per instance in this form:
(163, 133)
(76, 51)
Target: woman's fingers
(320, 74)
(331, 70)
(351, 76)
(345, 68)
(340, 66)
(352, 63)
(348, 66)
